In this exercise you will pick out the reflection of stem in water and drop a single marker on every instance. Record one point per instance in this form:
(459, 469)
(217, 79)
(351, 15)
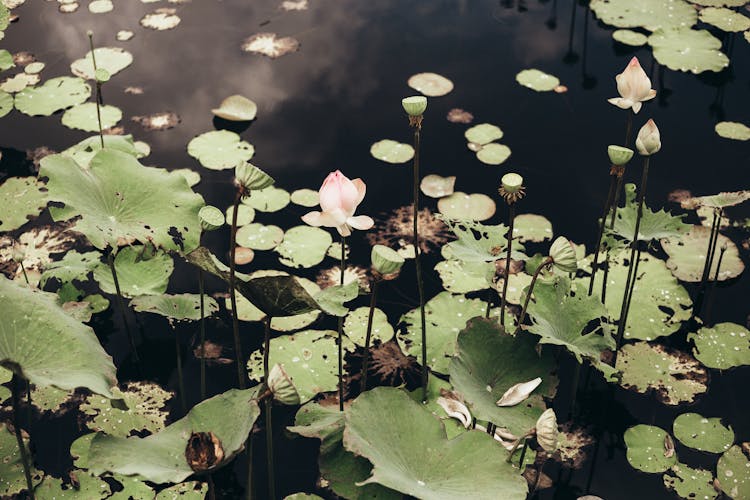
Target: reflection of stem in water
(340, 338)
(180, 379)
(552, 21)
(570, 54)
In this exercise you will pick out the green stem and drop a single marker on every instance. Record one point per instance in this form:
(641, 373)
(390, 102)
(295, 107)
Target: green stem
(232, 294)
(23, 270)
(710, 252)
(506, 274)
(545, 263)
(268, 407)
(180, 379)
(203, 334)
(420, 285)
(712, 292)
(98, 90)
(121, 304)
(616, 201)
(368, 336)
(19, 438)
(340, 337)
(602, 224)
(518, 442)
(574, 391)
(523, 453)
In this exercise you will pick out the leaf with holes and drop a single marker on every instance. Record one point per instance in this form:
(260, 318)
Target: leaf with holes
(136, 275)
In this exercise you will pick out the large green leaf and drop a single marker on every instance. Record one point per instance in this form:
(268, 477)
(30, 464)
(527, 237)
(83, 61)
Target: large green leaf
(160, 457)
(723, 346)
(649, 14)
(53, 95)
(45, 345)
(180, 307)
(21, 198)
(410, 452)
(489, 362)
(653, 226)
(685, 49)
(648, 448)
(687, 256)
(120, 201)
(136, 275)
(733, 473)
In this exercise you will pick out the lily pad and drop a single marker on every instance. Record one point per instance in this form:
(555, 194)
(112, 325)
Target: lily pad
(73, 266)
(537, 80)
(531, 227)
(672, 375)
(84, 117)
(305, 197)
(101, 6)
(355, 326)
(463, 277)
(245, 215)
(6, 103)
(48, 347)
(462, 206)
(484, 133)
(136, 276)
(720, 3)
(690, 483)
(649, 14)
(111, 59)
(436, 186)
(236, 108)
(430, 84)
(733, 473)
(259, 237)
(182, 307)
(189, 490)
(384, 425)
(220, 149)
(733, 130)
(392, 151)
(270, 199)
(630, 37)
(493, 153)
(688, 50)
(647, 448)
(138, 407)
(11, 465)
(687, 256)
(476, 242)
(22, 198)
(53, 95)
(725, 19)
(703, 434)
(723, 346)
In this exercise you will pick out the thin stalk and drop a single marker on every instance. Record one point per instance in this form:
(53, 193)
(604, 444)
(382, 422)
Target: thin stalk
(25, 276)
(511, 217)
(628, 128)
(518, 442)
(368, 336)
(538, 271)
(19, 438)
(574, 391)
(712, 292)
(180, 379)
(211, 487)
(523, 453)
(232, 294)
(268, 407)
(537, 479)
(633, 258)
(602, 223)
(630, 292)
(121, 304)
(98, 89)
(710, 252)
(203, 334)
(340, 338)
(616, 201)
(417, 251)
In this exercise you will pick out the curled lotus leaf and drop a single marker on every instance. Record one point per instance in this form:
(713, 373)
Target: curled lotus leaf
(690, 483)
(704, 52)
(236, 108)
(733, 473)
(136, 275)
(53, 95)
(648, 448)
(22, 198)
(723, 346)
(703, 434)
(220, 149)
(180, 307)
(111, 59)
(687, 256)
(649, 14)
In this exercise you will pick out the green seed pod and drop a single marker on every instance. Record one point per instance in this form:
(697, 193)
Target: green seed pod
(386, 261)
(546, 431)
(512, 183)
(249, 177)
(563, 255)
(414, 105)
(101, 75)
(280, 384)
(211, 218)
(619, 155)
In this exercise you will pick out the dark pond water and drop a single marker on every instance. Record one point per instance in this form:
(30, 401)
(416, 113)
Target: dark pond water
(322, 107)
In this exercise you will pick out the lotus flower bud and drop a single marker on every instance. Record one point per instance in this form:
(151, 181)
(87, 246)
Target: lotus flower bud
(386, 262)
(648, 141)
(619, 155)
(248, 177)
(546, 430)
(211, 218)
(89, 33)
(563, 255)
(414, 105)
(280, 384)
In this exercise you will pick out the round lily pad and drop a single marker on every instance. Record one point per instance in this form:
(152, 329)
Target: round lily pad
(725, 19)
(270, 199)
(180, 307)
(391, 151)
(648, 448)
(259, 237)
(21, 198)
(84, 117)
(630, 37)
(304, 246)
(112, 59)
(493, 153)
(355, 326)
(723, 346)
(690, 483)
(531, 227)
(34, 68)
(220, 149)
(436, 186)
(236, 108)
(733, 130)
(136, 275)
(537, 80)
(649, 14)
(701, 433)
(6, 59)
(305, 197)
(733, 473)
(6, 103)
(483, 133)
(101, 6)
(687, 256)
(459, 276)
(245, 215)
(430, 84)
(703, 52)
(462, 206)
(53, 95)
(137, 407)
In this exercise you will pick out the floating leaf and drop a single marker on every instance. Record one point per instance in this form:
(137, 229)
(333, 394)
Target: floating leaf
(84, 117)
(687, 256)
(111, 59)
(161, 19)
(305, 197)
(430, 84)
(720, 200)
(688, 50)
(138, 407)
(476, 242)
(630, 37)
(236, 108)
(701, 433)
(245, 215)
(463, 277)
(689, 483)
(720, 3)
(73, 266)
(493, 153)
(646, 448)
(136, 276)
(270, 199)
(733, 473)
(182, 307)
(725, 19)
(6, 103)
(22, 198)
(84, 151)
(391, 151)
(220, 149)
(189, 490)
(723, 346)
(531, 227)
(733, 130)
(649, 14)
(101, 6)
(11, 465)
(653, 225)
(355, 326)
(270, 45)
(331, 299)
(537, 80)
(55, 94)
(436, 186)
(462, 206)
(259, 237)
(484, 133)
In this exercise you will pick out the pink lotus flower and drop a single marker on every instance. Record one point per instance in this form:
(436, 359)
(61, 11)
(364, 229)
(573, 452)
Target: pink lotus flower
(339, 198)
(634, 87)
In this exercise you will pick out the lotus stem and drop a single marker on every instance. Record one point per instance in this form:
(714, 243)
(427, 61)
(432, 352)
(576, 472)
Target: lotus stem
(180, 379)
(201, 289)
(23, 270)
(545, 263)
(523, 453)
(232, 293)
(98, 89)
(19, 438)
(635, 276)
(506, 274)
(518, 442)
(628, 128)
(417, 125)
(121, 304)
(602, 223)
(615, 202)
(710, 252)
(368, 336)
(268, 407)
(340, 338)
(537, 479)
(712, 292)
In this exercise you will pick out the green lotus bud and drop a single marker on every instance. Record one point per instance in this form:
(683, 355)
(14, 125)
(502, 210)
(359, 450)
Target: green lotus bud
(512, 183)
(281, 386)
(101, 75)
(563, 255)
(414, 105)
(619, 155)
(211, 218)
(386, 261)
(648, 141)
(546, 431)
(89, 33)
(248, 177)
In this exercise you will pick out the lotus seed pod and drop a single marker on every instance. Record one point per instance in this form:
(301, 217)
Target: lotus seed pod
(648, 141)
(619, 155)
(89, 33)
(563, 255)
(211, 218)
(414, 105)
(386, 261)
(249, 177)
(280, 384)
(101, 75)
(546, 430)
(512, 183)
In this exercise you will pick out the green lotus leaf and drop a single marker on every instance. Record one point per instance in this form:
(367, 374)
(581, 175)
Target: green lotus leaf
(446, 315)
(689, 483)
(89, 488)
(725, 19)
(673, 376)
(6, 103)
(704, 52)
(659, 302)
(355, 326)
(723, 346)
(384, 425)
(733, 473)
(436, 186)
(111, 59)
(236, 108)
(308, 357)
(50, 399)
(259, 237)
(462, 206)
(531, 227)
(133, 488)
(720, 200)
(136, 276)
(4, 16)
(77, 304)
(435, 389)
(84, 117)
(537, 80)
(687, 256)
(11, 465)
(733, 130)
(516, 287)
(476, 242)
(73, 266)
(53, 95)
(484, 133)
(303, 496)
(630, 37)
(160, 457)
(22, 198)
(720, 3)
(490, 361)
(48, 347)
(391, 151)
(701, 433)
(654, 225)
(220, 149)
(6, 58)
(647, 448)
(192, 177)
(182, 307)
(331, 300)
(270, 199)
(5, 377)
(493, 153)
(305, 197)
(649, 14)
(137, 407)
(304, 246)
(245, 215)
(189, 490)
(84, 151)
(462, 277)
